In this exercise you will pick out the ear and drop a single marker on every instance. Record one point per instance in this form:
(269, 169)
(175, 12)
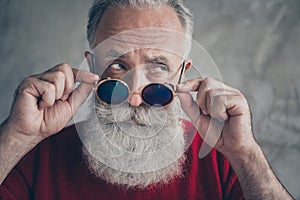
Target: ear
(89, 58)
(188, 64)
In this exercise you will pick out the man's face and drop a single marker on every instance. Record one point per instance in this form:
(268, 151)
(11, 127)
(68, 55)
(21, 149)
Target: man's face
(144, 52)
(151, 149)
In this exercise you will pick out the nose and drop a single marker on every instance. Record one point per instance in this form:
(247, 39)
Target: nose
(135, 80)
(135, 99)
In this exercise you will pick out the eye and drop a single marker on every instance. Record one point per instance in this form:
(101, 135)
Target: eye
(117, 66)
(161, 68)
(158, 68)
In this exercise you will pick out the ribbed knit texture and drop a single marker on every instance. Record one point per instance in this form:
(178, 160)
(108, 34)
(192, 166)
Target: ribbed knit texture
(55, 170)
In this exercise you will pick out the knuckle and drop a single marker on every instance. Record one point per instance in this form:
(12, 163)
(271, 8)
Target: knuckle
(206, 79)
(50, 87)
(27, 80)
(242, 97)
(238, 91)
(64, 67)
(59, 75)
(25, 83)
(209, 80)
(244, 101)
(214, 83)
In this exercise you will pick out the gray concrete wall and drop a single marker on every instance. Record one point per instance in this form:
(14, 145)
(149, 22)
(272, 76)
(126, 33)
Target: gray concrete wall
(255, 44)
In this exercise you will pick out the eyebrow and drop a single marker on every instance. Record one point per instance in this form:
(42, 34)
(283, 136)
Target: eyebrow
(115, 54)
(157, 59)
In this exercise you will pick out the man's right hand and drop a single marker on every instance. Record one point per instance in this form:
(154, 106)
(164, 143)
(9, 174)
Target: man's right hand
(46, 102)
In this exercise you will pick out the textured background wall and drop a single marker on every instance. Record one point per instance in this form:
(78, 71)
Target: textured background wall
(255, 44)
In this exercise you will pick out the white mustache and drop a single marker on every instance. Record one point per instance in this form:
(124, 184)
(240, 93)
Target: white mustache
(142, 115)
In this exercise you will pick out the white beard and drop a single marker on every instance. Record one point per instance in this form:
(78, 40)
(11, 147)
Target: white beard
(134, 147)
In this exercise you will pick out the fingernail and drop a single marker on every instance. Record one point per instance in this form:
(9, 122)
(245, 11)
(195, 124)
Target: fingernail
(204, 111)
(65, 97)
(180, 85)
(41, 106)
(94, 76)
(183, 86)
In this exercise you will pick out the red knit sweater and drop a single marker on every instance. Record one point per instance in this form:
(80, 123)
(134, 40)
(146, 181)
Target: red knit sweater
(55, 170)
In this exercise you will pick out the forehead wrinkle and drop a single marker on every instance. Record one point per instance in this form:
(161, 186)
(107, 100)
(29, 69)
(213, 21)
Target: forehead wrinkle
(154, 53)
(140, 39)
(148, 55)
(116, 20)
(115, 54)
(119, 47)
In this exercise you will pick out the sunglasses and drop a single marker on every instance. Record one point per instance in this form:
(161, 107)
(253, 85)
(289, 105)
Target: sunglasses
(115, 91)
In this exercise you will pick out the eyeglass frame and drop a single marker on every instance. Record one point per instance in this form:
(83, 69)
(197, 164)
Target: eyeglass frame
(170, 86)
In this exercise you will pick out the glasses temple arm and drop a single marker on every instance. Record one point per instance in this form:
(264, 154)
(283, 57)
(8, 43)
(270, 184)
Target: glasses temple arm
(181, 72)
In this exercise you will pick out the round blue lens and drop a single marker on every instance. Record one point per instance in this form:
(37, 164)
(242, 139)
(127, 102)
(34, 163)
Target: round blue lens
(156, 94)
(112, 92)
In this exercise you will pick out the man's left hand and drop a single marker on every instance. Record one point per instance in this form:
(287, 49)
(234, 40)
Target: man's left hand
(220, 113)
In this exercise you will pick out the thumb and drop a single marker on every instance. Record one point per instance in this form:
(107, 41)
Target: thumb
(189, 85)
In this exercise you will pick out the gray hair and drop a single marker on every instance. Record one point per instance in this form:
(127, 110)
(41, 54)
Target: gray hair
(99, 6)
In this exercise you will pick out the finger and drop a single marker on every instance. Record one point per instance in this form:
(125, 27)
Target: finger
(211, 102)
(43, 91)
(69, 79)
(207, 85)
(237, 105)
(72, 75)
(203, 123)
(57, 78)
(223, 104)
(189, 85)
(189, 106)
(84, 76)
(202, 96)
(202, 85)
(216, 107)
(79, 95)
